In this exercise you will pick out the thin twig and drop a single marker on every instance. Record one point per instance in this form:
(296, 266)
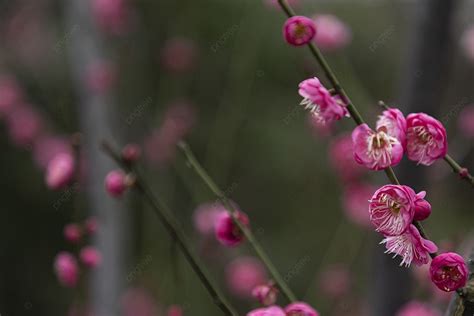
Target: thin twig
(194, 163)
(163, 213)
(459, 170)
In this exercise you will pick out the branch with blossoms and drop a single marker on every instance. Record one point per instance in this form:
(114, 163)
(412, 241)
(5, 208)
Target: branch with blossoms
(395, 210)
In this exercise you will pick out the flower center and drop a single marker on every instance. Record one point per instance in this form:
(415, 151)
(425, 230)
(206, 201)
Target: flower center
(423, 135)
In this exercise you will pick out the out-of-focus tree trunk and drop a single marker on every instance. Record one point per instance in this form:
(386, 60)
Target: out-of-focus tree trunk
(426, 59)
(96, 114)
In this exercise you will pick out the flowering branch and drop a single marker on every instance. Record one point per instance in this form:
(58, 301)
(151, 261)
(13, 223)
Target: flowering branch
(462, 172)
(194, 163)
(163, 213)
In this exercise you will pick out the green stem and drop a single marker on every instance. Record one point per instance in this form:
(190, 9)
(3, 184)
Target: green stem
(163, 212)
(194, 163)
(458, 169)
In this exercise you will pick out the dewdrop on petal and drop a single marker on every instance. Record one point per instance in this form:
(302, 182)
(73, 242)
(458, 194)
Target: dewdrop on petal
(300, 309)
(299, 30)
(449, 271)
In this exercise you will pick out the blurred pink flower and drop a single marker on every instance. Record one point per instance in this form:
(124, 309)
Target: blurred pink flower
(112, 16)
(60, 171)
(341, 158)
(131, 152)
(267, 311)
(356, 203)
(318, 128)
(332, 34)
(393, 122)
(138, 302)
(90, 257)
(243, 274)
(91, 224)
(375, 149)
(175, 310)
(467, 43)
(299, 30)
(101, 76)
(426, 139)
(449, 271)
(227, 232)
(415, 308)
(205, 217)
(466, 121)
(72, 233)
(300, 309)
(320, 102)
(266, 294)
(66, 268)
(46, 147)
(10, 94)
(24, 125)
(410, 246)
(115, 183)
(179, 54)
(335, 281)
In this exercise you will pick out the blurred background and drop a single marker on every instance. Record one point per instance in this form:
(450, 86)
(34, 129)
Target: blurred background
(219, 74)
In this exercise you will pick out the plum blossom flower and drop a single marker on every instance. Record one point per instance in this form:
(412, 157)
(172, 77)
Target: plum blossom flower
(47, 147)
(410, 246)
(66, 268)
(205, 217)
(227, 232)
(391, 209)
(300, 309)
(90, 256)
(175, 310)
(115, 183)
(60, 171)
(112, 16)
(322, 105)
(243, 274)
(426, 139)
(267, 311)
(355, 199)
(415, 308)
(72, 233)
(394, 123)
(375, 149)
(266, 294)
(448, 271)
(299, 30)
(333, 34)
(341, 158)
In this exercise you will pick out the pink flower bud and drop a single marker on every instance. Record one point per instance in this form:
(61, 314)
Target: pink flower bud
(426, 139)
(90, 257)
(47, 147)
(267, 311)
(463, 173)
(91, 225)
(73, 233)
(300, 309)
(332, 33)
(266, 294)
(227, 232)
(415, 308)
(322, 105)
(391, 209)
(60, 171)
(66, 268)
(422, 207)
(243, 275)
(448, 271)
(131, 153)
(375, 150)
(115, 183)
(299, 30)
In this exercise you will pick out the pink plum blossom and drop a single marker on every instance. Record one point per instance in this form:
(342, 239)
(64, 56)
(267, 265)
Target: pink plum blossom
(341, 158)
(73, 233)
(47, 147)
(299, 30)
(333, 34)
(322, 105)
(449, 271)
(205, 217)
(66, 268)
(24, 125)
(243, 274)
(90, 257)
(426, 139)
(115, 183)
(392, 209)
(300, 309)
(466, 122)
(266, 294)
(226, 230)
(393, 122)
(175, 310)
(375, 149)
(179, 54)
(355, 197)
(267, 311)
(60, 171)
(415, 308)
(410, 246)
(112, 16)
